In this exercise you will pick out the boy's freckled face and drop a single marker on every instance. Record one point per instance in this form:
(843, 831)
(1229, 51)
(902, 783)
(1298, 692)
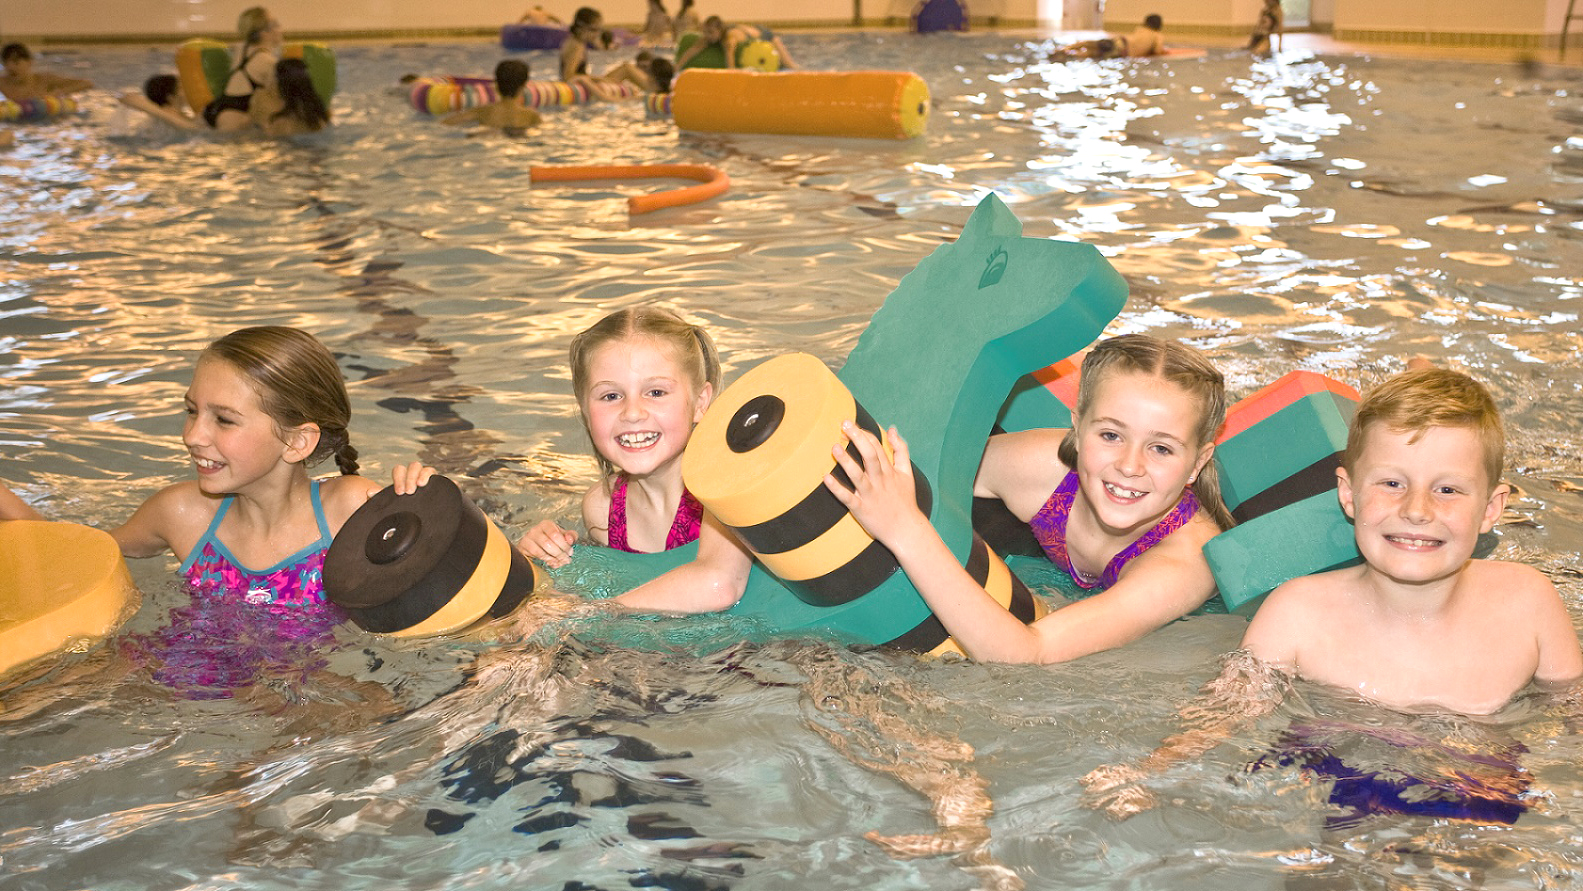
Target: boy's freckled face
(1418, 506)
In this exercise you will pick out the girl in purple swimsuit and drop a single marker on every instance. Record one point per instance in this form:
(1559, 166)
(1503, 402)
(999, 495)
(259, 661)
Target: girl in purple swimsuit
(643, 377)
(1124, 502)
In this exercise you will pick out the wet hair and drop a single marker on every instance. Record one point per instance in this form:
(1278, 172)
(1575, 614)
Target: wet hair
(715, 21)
(662, 70)
(511, 75)
(252, 23)
(1181, 365)
(160, 88)
(299, 99)
(1153, 21)
(690, 346)
(1415, 401)
(15, 51)
(297, 381)
(586, 16)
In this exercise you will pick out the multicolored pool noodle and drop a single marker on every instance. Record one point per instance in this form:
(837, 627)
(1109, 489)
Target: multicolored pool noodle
(37, 109)
(445, 94)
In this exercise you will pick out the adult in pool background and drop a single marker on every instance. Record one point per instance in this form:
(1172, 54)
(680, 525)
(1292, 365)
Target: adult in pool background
(1420, 623)
(254, 71)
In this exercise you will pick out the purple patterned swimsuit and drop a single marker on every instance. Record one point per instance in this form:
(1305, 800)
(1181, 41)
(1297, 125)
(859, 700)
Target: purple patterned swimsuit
(1049, 527)
(243, 625)
(684, 529)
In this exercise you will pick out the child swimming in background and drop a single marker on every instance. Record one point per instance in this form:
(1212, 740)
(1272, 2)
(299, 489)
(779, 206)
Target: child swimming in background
(291, 106)
(1420, 624)
(508, 113)
(643, 378)
(730, 38)
(586, 29)
(1124, 502)
(265, 404)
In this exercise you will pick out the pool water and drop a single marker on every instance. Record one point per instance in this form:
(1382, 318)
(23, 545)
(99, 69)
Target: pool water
(1338, 214)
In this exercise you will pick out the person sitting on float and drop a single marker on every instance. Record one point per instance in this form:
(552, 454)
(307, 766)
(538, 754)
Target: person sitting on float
(20, 82)
(730, 39)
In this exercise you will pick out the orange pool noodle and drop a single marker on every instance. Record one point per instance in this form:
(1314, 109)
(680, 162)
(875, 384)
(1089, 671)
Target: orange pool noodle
(712, 181)
(865, 104)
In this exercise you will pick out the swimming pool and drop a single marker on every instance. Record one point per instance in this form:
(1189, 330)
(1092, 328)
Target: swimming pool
(1337, 214)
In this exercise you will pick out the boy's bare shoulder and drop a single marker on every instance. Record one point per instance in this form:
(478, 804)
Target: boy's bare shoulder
(1514, 584)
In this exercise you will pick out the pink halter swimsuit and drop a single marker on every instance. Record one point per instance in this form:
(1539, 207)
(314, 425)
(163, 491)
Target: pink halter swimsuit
(684, 529)
(1049, 527)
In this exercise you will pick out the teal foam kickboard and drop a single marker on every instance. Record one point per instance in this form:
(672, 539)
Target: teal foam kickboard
(1302, 538)
(937, 361)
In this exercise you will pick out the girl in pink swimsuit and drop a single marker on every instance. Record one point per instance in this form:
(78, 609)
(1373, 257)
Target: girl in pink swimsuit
(265, 404)
(1124, 502)
(643, 377)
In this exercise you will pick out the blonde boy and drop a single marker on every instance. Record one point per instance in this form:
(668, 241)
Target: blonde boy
(1419, 624)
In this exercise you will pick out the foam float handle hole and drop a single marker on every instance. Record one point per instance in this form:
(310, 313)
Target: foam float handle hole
(391, 539)
(755, 422)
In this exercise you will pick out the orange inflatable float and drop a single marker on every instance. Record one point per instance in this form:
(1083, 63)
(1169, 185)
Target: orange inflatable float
(60, 584)
(864, 104)
(712, 181)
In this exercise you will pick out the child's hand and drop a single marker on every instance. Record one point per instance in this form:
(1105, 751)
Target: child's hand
(884, 496)
(1117, 789)
(549, 544)
(408, 477)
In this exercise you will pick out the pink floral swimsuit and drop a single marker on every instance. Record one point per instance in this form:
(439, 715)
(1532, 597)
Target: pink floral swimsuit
(1049, 527)
(684, 529)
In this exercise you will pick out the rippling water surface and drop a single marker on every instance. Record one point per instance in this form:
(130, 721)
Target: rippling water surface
(1339, 214)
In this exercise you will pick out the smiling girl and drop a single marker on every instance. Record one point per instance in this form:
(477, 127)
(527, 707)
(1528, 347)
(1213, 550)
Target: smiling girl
(1124, 502)
(643, 378)
(265, 404)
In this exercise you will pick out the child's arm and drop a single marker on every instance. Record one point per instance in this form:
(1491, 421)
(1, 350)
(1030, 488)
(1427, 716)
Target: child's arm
(169, 116)
(1164, 584)
(12, 507)
(713, 581)
(175, 513)
(552, 545)
(1246, 690)
(1560, 661)
(465, 116)
(60, 85)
